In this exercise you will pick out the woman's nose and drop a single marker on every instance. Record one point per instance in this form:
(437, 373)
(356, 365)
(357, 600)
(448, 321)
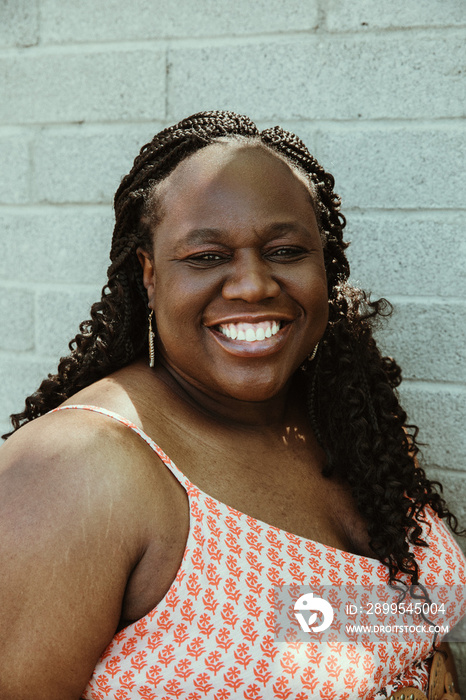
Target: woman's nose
(250, 280)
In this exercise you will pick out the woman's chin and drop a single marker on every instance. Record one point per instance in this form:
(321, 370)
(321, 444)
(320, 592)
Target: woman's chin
(233, 385)
(256, 389)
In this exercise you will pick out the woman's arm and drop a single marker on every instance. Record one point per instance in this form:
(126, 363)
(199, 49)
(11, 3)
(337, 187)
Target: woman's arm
(67, 547)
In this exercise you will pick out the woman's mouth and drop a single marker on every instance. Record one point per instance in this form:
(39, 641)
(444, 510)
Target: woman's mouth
(246, 339)
(250, 332)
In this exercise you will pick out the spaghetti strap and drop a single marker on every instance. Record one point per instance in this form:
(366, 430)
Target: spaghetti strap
(132, 426)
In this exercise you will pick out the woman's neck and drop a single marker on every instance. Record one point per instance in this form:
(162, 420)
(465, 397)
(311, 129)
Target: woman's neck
(275, 412)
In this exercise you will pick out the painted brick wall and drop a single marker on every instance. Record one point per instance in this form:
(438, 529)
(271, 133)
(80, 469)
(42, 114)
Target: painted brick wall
(375, 89)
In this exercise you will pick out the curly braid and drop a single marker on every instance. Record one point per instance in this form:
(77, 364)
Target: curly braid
(352, 402)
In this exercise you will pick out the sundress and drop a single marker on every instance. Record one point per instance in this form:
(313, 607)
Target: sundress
(213, 635)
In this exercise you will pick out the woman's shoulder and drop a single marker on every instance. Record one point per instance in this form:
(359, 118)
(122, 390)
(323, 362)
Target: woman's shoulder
(72, 459)
(68, 444)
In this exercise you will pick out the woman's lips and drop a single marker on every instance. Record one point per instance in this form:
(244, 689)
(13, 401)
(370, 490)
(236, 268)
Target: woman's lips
(251, 339)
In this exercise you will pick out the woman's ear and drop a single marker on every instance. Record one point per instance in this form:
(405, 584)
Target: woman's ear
(148, 272)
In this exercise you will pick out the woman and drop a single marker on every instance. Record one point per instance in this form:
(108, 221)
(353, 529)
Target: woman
(229, 334)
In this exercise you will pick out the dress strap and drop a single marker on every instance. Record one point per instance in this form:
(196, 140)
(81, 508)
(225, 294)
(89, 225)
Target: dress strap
(132, 426)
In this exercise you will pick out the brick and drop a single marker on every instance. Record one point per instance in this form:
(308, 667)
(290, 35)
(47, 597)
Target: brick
(19, 378)
(366, 14)
(142, 19)
(364, 72)
(85, 164)
(19, 23)
(397, 254)
(393, 167)
(69, 246)
(112, 84)
(428, 340)
(439, 412)
(14, 170)
(16, 319)
(58, 317)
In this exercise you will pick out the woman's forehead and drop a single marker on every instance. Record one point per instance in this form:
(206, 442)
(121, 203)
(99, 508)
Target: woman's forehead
(229, 164)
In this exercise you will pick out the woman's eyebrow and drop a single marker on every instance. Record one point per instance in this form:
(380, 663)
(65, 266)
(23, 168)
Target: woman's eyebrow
(287, 227)
(201, 236)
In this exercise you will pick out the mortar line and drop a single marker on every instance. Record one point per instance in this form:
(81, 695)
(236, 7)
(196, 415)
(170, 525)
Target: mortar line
(156, 43)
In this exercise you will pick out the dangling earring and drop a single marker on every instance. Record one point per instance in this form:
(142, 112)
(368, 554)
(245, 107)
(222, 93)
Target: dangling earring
(313, 353)
(151, 341)
(309, 358)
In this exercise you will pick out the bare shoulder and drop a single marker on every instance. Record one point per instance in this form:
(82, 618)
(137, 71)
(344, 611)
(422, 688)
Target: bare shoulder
(73, 449)
(73, 497)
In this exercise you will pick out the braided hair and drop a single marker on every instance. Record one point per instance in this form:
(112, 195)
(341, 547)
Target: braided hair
(352, 401)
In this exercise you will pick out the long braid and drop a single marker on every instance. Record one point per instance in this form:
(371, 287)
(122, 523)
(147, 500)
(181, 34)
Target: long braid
(352, 404)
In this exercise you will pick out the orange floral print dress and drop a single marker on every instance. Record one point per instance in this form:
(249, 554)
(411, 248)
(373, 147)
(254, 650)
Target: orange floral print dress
(212, 635)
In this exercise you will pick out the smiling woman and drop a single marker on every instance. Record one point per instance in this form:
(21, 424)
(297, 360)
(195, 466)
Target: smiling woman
(237, 253)
(229, 338)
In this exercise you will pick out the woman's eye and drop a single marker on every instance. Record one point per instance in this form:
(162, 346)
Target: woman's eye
(286, 253)
(203, 258)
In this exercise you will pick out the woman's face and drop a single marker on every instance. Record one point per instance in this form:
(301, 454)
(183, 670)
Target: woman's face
(237, 279)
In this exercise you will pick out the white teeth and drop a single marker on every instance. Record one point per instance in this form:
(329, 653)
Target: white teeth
(250, 332)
